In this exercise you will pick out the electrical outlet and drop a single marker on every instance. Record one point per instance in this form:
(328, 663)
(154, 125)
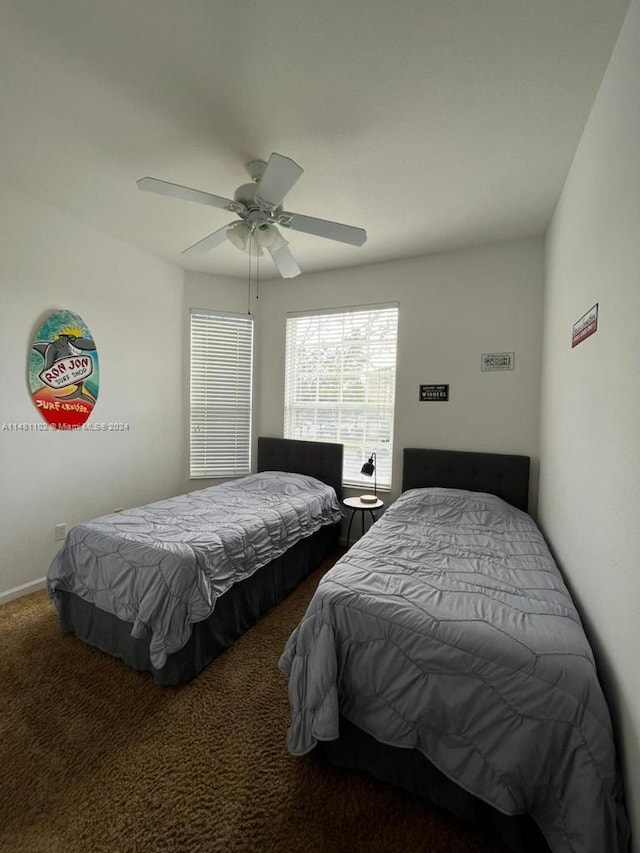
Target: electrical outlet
(60, 531)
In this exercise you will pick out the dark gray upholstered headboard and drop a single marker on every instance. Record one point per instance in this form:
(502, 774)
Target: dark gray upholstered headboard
(500, 474)
(319, 459)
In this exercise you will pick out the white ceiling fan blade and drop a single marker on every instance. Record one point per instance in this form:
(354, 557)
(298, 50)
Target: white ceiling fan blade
(155, 185)
(278, 178)
(324, 228)
(209, 242)
(285, 262)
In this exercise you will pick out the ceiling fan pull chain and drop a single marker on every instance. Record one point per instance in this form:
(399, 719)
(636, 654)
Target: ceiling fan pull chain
(249, 282)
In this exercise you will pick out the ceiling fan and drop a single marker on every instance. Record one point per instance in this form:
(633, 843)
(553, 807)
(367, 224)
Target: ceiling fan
(259, 208)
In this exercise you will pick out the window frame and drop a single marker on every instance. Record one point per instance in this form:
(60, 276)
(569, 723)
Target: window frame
(385, 412)
(238, 457)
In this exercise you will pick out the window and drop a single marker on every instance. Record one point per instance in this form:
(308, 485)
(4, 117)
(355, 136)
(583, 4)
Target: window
(221, 373)
(340, 384)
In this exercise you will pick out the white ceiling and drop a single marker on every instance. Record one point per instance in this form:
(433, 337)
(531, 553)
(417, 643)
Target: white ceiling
(434, 124)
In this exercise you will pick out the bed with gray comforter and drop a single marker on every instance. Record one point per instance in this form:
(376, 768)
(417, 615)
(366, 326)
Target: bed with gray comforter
(448, 629)
(163, 566)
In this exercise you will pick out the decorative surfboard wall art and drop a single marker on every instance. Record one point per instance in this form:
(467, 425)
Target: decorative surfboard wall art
(63, 370)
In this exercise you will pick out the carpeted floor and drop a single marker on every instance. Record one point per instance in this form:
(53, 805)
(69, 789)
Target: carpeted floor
(95, 757)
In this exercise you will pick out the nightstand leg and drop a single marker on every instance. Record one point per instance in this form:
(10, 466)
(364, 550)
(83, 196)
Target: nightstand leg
(362, 514)
(353, 512)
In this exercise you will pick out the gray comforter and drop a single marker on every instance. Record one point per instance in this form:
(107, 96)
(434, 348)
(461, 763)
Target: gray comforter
(163, 566)
(448, 629)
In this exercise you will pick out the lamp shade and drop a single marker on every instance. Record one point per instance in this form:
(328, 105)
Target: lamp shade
(253, 249)
(239, 234)
(268, 237)
(368, 468)
(242, 237)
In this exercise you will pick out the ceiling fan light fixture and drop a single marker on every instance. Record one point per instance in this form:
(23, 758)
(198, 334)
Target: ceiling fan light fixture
(253, 248)
(239, 234)
(278, 241)
(268, 237)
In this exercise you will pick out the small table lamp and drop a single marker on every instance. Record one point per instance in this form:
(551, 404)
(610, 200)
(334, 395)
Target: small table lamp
(369, 469)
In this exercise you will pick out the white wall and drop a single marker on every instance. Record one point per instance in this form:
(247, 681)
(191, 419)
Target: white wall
(589, 504)
(452, 307)
(132, 304)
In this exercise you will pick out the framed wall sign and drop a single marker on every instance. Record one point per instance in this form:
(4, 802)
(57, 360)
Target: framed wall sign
(585, 326)
(430, 393)
(498, 361)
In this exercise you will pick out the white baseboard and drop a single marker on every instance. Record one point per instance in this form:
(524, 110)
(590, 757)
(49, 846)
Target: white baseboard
(23, 589)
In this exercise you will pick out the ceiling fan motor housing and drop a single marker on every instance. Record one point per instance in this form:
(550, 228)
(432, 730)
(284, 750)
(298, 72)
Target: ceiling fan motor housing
(245, 193)
(257, 213)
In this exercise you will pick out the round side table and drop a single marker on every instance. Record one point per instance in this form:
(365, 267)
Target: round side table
(356, 505)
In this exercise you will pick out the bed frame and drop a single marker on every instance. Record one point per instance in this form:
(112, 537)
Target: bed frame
(242, 605)
(507, 476)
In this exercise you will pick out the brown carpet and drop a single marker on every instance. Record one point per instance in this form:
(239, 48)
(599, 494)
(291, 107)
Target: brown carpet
(95, 757)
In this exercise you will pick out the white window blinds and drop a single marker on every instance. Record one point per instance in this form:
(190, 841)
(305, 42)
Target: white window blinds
(221, 374)
(340, 384)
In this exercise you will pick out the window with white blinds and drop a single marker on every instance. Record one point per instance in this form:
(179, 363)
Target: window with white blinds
(340, 384)
(221, 375)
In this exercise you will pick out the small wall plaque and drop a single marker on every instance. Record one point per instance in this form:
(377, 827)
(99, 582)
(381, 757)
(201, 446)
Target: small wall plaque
(429, 393)
(585, 326)
(498, 361)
